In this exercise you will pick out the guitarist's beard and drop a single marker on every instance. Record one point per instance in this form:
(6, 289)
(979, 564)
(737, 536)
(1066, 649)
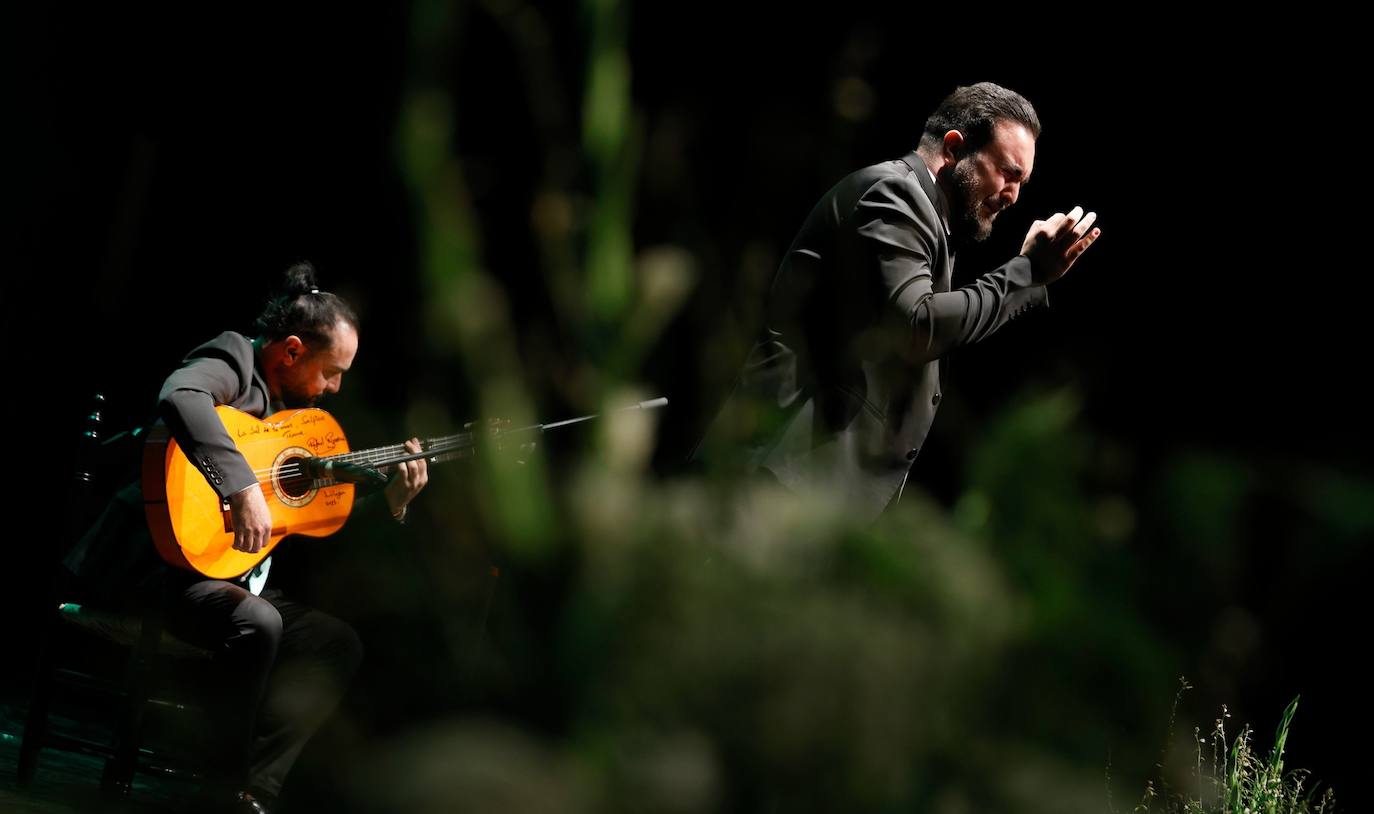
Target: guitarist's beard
(298, 401)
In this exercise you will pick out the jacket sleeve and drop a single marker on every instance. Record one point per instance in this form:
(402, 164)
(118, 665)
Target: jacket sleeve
(216, 373)
(902, 243)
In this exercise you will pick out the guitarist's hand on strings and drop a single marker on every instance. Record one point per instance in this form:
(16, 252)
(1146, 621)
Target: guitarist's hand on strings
(252, 519)
(407, 480)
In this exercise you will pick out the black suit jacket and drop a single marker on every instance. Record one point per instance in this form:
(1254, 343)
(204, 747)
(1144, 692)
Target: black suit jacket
(116, 555)
(839, 393)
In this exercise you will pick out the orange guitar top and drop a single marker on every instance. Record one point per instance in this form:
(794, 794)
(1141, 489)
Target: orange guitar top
(191, 526)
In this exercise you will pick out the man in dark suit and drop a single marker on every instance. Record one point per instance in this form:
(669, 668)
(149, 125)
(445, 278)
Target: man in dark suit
(283, 666)
(839, 393)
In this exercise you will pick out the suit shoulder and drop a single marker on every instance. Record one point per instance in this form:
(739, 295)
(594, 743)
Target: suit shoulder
(895, 183)
(895, 176)
(230, 342)
(231, 347)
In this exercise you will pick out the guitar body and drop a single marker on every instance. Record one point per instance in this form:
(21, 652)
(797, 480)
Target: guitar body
(192, 527)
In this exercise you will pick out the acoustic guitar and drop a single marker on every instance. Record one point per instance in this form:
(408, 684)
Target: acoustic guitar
(305, 470)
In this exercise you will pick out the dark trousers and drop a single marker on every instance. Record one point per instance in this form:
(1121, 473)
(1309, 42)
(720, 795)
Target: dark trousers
(282, 669)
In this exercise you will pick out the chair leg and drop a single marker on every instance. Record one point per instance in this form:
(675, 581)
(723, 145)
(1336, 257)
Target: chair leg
(36, 722)
(117, 779)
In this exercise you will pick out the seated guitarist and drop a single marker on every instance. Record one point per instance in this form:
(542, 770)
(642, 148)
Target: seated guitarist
(284, 666)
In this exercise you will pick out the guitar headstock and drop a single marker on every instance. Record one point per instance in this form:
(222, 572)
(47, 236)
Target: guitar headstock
(493, 433)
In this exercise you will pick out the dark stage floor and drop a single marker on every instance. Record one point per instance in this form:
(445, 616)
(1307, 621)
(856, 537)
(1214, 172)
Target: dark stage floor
(68, 782)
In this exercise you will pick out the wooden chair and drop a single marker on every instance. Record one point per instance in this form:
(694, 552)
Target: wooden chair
(117, 658)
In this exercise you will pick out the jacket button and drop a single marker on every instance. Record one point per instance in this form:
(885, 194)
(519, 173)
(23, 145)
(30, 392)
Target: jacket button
(911, 454)
(935, 399)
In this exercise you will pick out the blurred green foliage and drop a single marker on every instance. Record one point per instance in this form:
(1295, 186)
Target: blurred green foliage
(717, 645)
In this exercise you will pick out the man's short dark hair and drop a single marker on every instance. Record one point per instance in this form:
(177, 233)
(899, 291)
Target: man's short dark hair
(974, 110)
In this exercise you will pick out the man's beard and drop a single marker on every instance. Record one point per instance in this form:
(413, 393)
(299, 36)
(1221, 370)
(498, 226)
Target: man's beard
(294, 400)
(968, 225)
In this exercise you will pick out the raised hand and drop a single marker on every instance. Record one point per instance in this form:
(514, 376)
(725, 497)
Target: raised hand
(1053, 245)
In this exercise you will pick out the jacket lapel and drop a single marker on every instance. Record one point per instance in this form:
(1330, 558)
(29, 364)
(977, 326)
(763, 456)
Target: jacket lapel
(945, 273)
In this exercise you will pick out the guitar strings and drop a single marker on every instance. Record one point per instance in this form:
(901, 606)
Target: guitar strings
(379, 456)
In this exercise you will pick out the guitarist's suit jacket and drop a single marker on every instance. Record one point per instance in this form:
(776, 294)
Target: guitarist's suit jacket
(116, 556)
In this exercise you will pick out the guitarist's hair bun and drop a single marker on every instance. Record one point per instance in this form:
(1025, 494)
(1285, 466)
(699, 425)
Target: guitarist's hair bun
(299, 279)
(299, 307)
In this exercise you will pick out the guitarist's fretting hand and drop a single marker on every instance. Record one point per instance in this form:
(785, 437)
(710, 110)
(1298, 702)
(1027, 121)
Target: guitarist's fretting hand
(407, 481)
(252, 520)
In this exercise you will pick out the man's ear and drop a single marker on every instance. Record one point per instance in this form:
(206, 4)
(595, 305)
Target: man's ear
(293, 349)
(952, 147)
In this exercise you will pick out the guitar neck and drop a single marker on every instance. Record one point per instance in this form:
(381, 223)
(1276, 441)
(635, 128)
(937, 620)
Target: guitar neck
(434, 450)
(463, 444)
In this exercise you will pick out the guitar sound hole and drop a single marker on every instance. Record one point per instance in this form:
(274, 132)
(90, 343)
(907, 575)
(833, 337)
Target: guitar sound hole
(295, 485)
